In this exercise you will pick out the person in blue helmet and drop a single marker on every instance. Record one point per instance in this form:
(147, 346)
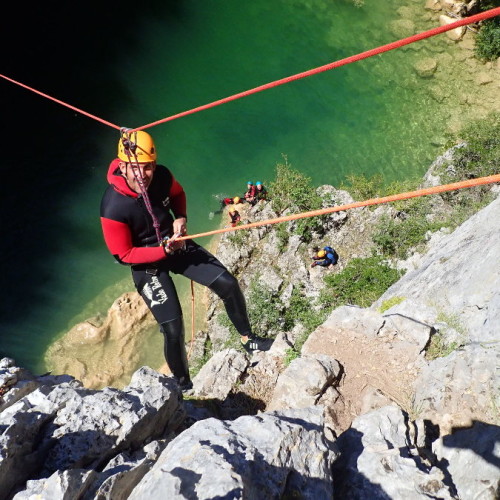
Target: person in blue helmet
(260, 192)
(325, 257)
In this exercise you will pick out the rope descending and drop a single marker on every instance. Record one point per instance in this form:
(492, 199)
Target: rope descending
(358, 204)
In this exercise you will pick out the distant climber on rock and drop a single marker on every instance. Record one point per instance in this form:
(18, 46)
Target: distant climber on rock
(327, 257)
(229, 201)
(250, 193)
(234, 216)
(260, 192)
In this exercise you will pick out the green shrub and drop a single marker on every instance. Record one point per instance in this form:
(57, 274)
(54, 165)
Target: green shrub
(234, 337)
(361, 283)
(283, 236)
(197, 364)
(300, 310)
(238, 238)
(264, 308)
(290, 355)
(487, 47)
(363, 188)
(293, 191)
(395, 237)
(480, 156)
(439, 348)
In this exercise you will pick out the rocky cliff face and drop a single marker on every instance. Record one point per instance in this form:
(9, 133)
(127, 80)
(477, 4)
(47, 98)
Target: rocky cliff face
(363, 412)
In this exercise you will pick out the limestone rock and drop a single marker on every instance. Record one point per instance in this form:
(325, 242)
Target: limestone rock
(218, 376)
(483, 78)
(304, 381)
(459, 277)
(96, 425)
(472, 457)
(426, 68)
(402, 28)
(62, 485)
(355, 319)
(433, 5)
(118, 335)
(456, 7)
(378, 461)
(455, 34)
(272, 455)
(459, 388)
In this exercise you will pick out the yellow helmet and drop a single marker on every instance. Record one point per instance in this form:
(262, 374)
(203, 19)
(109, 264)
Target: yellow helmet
(236, 200)
(232, 209)
(321, 254)
(136, 146)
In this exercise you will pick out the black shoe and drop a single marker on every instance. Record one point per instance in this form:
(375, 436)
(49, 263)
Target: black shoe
(185, 385)
(256, 343)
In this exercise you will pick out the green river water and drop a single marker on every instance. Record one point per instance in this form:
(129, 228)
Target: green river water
(374, 116)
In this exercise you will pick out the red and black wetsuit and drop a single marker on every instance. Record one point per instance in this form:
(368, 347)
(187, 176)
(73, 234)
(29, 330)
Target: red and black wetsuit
(131, 238)
(126, 223)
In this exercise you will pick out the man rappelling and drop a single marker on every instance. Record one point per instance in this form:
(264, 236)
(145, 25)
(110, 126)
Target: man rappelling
(143, 212)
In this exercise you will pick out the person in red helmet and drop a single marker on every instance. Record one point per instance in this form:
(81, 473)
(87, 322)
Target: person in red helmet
(143, 211)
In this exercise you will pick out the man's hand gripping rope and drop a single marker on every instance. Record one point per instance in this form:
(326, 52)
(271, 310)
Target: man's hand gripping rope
(171, 245)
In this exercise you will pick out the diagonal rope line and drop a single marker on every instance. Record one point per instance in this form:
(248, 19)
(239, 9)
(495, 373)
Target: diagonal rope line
(78, 110)
(358, 204)
(342, 62)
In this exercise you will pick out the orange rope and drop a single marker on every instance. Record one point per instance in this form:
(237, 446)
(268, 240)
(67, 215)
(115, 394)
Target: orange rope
(358, 204)
(374, 201)
(348, 60)
(192, 320)
(336, 64)
(78, 110)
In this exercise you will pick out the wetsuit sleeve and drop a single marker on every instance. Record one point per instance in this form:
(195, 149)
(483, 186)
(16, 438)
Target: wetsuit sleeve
(119, 242)
(178, 199)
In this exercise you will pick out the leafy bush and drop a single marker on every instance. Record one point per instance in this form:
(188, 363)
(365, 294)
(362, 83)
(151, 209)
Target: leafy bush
(479, 157)
(238, 238)
(481, 154)
(363, 188)
(361, 283)
(293, 191)
(283, 236)
(300, 310)
(395, 237)
(487, 46)
(264, 308)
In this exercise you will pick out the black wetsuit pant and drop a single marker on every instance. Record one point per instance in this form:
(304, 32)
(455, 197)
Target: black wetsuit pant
(156, 287)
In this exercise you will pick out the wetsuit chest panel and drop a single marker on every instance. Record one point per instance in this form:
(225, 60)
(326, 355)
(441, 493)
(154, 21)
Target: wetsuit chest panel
(133, 211)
